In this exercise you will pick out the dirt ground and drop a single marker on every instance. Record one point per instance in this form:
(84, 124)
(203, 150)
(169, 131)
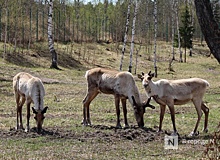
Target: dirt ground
(132, 133)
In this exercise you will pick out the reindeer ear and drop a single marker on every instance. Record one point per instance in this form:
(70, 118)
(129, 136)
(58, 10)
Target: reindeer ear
(151, 75)
(34, 111)
(44, 110)
(141, 76)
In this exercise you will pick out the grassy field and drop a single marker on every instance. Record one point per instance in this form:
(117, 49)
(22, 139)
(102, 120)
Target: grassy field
(65, 138)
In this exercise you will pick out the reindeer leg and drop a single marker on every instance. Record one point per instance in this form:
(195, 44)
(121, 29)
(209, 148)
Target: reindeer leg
(17, 98)
(28, 116)
(172, 113)
(19, 110)
(198, 105)
(162, 112)
(123, 101)
(117, 100)
(91, 94)
(206, 111)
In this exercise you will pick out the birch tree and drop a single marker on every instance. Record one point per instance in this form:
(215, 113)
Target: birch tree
(178, 32)
(6, 30)
(172, 21)
(50, 36)
(155, 37)
(125, 37)
(133, 34)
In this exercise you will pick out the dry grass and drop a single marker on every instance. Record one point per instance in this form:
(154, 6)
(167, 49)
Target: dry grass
(64, 136)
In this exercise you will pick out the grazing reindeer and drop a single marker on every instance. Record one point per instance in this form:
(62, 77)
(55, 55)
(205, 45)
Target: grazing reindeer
(121, 85)
(30, 89)
(177, 92)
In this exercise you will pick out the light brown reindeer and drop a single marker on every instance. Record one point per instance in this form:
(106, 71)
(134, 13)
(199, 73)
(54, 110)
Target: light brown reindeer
(121, 85)
(177, 92)
(30, 89)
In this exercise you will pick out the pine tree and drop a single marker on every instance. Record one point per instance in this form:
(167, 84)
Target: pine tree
(186, 30)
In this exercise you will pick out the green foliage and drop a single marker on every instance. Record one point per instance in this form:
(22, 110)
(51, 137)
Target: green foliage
(186, 30)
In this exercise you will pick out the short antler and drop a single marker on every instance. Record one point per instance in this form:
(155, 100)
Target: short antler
(147, 104)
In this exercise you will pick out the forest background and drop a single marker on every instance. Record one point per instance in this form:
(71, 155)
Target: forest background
(87, 35)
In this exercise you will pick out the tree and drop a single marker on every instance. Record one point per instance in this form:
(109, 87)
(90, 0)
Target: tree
(172, 23)
(216, 11)
(125, 37)
(6, 30)
(133, 33)
(186, 30)
(209, 26)
(155, 37)
(50, 36)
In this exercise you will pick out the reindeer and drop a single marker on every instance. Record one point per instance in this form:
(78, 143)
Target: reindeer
(177, 92)
(30, 89)
(119, 84)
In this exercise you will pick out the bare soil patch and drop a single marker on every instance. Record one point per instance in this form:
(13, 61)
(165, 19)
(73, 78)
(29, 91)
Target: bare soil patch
(101, 133)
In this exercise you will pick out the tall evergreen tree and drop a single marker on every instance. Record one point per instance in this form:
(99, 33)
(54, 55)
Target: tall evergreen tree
(186, 30)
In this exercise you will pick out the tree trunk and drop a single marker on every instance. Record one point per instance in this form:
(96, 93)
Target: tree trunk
(50, 36)
(172, 23)
(6, 33)
(30, 29)
(178, 31)
(209, 26)
(132, 38)
(155, 37)
(125, 37)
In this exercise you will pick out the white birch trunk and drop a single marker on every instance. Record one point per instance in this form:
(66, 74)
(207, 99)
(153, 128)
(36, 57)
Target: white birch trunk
(172, 47)
(50, 36)
(133, 34)
(192, 7)
(155, 37)
(147, 20)
(125, 37)
(178, 32)
(172, 16)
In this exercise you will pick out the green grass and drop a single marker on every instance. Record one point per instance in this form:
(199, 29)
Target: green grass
(64, 116)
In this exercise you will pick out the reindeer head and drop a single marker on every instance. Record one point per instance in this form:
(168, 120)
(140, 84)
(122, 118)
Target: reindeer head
(138, 113)
(146, 78)
(39, 117)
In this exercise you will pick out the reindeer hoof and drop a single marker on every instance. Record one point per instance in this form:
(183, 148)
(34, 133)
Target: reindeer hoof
(160, 131)
(86, 122)
(193, 134)
(205, 130)
(126, 126)
(175, 134)
(118, 126)
(19, 128)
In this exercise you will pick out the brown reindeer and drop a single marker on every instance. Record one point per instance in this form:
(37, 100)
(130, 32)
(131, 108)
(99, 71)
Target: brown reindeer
(177, 92)
(30, 89)
(121, 85)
